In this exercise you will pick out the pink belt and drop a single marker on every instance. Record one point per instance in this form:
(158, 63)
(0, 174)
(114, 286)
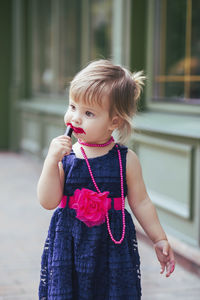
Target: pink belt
(116, 201)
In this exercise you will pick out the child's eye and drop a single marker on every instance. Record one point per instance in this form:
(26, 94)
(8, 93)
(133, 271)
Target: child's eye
(72, 107)
(89, 114)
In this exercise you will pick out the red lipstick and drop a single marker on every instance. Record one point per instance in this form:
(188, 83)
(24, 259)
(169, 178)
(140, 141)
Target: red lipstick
(75, 129)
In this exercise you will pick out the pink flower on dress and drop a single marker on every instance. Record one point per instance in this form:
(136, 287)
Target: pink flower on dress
(91, 207)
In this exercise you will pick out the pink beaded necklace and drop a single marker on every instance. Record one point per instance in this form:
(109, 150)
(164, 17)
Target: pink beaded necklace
(97, 145)
(94, 182)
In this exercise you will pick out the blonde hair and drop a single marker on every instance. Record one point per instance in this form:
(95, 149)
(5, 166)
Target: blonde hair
(122, 88)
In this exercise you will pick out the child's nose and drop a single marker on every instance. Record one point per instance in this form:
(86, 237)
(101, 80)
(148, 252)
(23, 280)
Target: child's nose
(76, 119)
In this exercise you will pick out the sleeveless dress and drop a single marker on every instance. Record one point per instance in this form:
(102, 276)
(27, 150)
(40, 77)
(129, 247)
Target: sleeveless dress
(81, 262)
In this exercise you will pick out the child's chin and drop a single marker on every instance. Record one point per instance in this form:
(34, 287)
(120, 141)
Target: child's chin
(78, 135)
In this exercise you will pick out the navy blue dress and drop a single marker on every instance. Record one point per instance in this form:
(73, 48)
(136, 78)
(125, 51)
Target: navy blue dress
(81, 262)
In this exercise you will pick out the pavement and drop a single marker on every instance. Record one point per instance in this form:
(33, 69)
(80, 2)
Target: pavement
(23, 228)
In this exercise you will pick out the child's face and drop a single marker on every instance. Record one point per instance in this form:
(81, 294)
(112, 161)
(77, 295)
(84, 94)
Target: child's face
(93, 118)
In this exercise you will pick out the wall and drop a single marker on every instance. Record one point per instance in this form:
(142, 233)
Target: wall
(5, 70)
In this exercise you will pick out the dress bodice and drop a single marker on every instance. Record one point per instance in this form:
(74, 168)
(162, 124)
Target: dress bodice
(105, 169)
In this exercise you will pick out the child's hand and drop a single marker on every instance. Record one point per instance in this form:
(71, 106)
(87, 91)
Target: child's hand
(165, 256)
(59, 147)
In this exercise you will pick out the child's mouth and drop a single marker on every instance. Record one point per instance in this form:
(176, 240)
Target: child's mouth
(76, 129)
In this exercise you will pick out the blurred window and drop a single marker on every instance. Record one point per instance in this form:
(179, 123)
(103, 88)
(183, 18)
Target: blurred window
(176, 52)
(100, 28)
(56, 44)
(57, 38)
(42, 46)
(70, 41)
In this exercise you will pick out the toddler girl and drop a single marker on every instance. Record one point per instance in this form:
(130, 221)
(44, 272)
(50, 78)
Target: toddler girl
(91, 249)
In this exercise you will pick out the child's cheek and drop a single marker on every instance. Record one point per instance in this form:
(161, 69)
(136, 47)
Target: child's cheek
(66, 117)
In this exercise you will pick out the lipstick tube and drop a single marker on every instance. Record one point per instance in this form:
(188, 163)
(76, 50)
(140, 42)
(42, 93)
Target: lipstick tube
(68, 131)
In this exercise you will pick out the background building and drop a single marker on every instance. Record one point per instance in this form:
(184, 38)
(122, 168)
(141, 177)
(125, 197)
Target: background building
(44, 43)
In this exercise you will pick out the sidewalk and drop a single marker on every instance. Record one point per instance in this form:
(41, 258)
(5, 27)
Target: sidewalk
(23, 228)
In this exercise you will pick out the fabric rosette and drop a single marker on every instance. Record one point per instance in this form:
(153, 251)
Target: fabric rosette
(91, 207)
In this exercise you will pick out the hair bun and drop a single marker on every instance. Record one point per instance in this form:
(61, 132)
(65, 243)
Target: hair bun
(138, 78)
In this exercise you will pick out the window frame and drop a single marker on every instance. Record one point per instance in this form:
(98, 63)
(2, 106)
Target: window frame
(151, 102)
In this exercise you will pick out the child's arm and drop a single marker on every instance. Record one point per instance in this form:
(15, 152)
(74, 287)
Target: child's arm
(145, 212)
(51, 182)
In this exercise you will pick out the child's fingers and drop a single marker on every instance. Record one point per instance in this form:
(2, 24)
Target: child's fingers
(64, 138)
(65, 143)
(162, 268)
(170, 268)
(61, 139)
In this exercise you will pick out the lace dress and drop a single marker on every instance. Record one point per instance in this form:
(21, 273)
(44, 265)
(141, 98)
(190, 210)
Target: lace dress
(81, 262)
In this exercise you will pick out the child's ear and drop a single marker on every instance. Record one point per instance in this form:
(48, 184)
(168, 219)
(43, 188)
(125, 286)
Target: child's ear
(116, 122)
